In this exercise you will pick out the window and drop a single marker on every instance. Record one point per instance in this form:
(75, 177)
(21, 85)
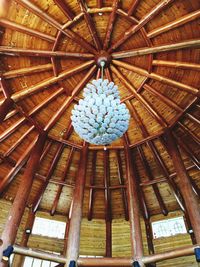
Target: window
(168, 227)
(49, 228)
(31, 262)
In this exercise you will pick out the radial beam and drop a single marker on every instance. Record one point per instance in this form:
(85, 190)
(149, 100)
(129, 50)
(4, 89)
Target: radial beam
(133, 7)
(90, 25)
(156, 49)
(133, 29)
(174, 24)
(13, 51)
(65, 9)
(17, 27)
(157, 77)
(185, 187)
(176, 64)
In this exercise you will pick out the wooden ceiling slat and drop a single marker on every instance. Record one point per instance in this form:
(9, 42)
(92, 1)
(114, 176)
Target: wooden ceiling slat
(27, 71)
(12, 129)
(176, 64)
(188, 132)
(90, 25)
(139, 97)
(13, 51)
(176, 23)
(110, 25)
(65, 9)
(91, 192)
(50, 81)
(46, 17)
(133, 29)
(156, 49)
(191, 117)
(150, 177)
(17, 27)
(157, 77)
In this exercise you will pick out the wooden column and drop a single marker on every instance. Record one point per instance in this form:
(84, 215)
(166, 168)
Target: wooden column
(19, 204)
(18, 260)
(185, 186)
(76, 211)
(133, 203)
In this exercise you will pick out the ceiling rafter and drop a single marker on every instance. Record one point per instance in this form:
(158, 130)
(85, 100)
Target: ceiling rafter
(38, 197)
(193, 118)
(19, 122)
(189, 132)
(56, 64)
(111, 23)
(176, 64)
(19, 164)
(10, 114)
(133, 29)
(65, 9)
(150, 177)
(156, 49)
(108, 214)
(163, 98)
(121, 182)
(99, 3)
(20, 28)
(157, 77)
(27, 71)
(15, 51)
(133, 7)
(91, 190)
(174, 24)
(50, 81)
(47, 18)
(139, 97)
(90, 25)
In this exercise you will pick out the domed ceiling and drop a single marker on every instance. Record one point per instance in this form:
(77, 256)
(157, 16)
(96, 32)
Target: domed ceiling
(51, 49)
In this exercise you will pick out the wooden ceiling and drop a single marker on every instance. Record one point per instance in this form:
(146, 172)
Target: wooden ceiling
(49, 52)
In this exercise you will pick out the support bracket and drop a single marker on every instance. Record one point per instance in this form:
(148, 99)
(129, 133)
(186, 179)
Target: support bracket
(136, 264)
(72, 264)
(7, 253)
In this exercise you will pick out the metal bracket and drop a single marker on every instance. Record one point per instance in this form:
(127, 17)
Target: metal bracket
(7, 253)
(72, 264)
(197, 254)
(136, 264)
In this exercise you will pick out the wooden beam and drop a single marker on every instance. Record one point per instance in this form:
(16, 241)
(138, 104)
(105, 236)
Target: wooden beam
(40, 192)
(5, 107)
(133, 203)
(191, 117)
(50, 81)
(133, 29)
(156, 49)
(20, 28)
(15, 51)
(150, 177)
(27, 71)
(108, 207)
(77, 206)
(16, 212)
(189, 132)
(90, 25)
(99, 3)
(121, 182)
(185, 187)
(110, 25)
(91, 192)
(138, 96)
(174, 24)
(176, 64)
(65, 9)
(163, 98)
(133, 7)
(46, 17)
(157, 77)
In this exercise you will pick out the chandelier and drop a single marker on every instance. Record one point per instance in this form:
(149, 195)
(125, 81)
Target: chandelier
(100, 118)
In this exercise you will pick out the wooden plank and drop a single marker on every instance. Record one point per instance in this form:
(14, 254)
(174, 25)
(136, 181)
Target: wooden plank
(65, 9)
(133, 7)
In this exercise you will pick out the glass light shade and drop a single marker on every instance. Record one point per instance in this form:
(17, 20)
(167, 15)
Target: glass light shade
(100, 118)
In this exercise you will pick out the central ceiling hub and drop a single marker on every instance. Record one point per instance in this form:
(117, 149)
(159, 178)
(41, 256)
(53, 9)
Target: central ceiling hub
(103, 56)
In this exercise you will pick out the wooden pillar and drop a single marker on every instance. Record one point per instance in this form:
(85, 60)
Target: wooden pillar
(76, 211)
(5, 107)
(133, 203)
(185, 186)
(19, 204)
(18, 260)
